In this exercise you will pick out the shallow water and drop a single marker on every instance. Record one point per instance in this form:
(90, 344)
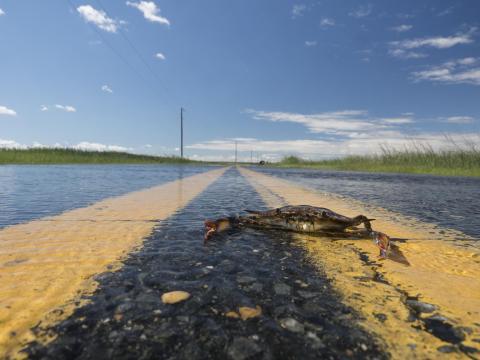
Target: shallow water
(447, 201)
(301, 316)
(29, 192)
(158, 236)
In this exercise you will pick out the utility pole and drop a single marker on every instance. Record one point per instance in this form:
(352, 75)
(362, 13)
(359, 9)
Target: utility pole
(181, 132)
(235, 153)
(251, 156)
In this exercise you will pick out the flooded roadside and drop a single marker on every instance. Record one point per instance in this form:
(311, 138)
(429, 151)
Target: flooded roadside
(253, 295)
(46, 264)
(432, 303)
(29, 192)
(450, 202)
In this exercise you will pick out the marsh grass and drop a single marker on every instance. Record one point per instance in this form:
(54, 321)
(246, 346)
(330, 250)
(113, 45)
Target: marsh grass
(72, 156)
(417, 158)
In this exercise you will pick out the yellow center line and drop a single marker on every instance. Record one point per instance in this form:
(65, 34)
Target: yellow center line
(47, 264)
(443, 272)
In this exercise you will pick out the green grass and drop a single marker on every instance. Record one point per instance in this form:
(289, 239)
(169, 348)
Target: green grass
(422, 160)
(71, 156)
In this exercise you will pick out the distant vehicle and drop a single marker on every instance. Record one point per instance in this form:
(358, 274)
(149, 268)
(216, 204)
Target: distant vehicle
(262, 162)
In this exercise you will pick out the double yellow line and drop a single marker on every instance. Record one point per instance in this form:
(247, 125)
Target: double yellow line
(47, 264)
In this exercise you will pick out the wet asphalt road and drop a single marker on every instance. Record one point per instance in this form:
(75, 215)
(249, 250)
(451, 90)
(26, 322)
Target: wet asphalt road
(302, 317)
(450, 202)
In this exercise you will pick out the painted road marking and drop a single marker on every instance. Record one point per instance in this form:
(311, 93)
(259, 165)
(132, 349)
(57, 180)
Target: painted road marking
(444, 273)
(46, 264)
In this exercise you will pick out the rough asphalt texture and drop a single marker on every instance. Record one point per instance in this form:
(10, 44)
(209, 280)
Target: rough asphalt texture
(302, 317)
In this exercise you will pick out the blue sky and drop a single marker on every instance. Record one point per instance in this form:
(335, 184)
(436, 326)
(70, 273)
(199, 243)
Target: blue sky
(314, 78)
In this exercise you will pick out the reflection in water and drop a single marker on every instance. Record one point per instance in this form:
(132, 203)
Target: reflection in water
(30, 192)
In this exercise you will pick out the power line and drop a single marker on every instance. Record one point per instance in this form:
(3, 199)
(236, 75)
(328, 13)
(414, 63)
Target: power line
(136, 51)
(117, 53)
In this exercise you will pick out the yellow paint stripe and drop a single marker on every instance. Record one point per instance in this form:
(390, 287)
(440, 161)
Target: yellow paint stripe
(48, 263)
(443, 272)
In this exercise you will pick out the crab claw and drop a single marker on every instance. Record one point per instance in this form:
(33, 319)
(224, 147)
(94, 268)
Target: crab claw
(210, 229)
(383, 242)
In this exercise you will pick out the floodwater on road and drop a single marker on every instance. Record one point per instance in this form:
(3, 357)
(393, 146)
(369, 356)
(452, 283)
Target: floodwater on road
(29, 192)
(87, 252)
(447, 201)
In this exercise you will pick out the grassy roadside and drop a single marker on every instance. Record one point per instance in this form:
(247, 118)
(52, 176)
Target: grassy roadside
(71, 156)
(447, 163)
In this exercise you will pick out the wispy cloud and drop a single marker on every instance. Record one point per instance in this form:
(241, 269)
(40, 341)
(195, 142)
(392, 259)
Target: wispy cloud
(2, 12)
(106, 88)
(402, 28)
(150, 11)
(66, 108)
(327, 22)
(314, 149)
(43, 108)
(10, 144)
(348, 123)
(406, 54)
(447, 11)
(459, 120)
(84, 145)
(438, 42)
(98, 17)
(89, 146)
(6, 111)
(160, 56)
(298, 10)
(361, 11)
(460, 71)
(310, 43)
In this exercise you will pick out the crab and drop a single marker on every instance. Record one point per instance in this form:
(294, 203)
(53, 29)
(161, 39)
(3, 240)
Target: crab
(301, 218)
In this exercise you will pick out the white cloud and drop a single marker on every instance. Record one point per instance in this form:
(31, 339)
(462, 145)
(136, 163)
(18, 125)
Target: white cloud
(2, 12)
(106, 88)
(147, 146)
(404, 54)
(88, 146)
(310, 43)
(439, 42)
(347, 123)
(398, 120)
(298, 10)
(459, 119)
(150, 11)
(327, 22)
(6, 111)
(361, 11)
(43, 108)
(402, 28)
(10, 144)
(160, 56)
(315, 149)
(460, 71)
(66, 108)
(98, 18)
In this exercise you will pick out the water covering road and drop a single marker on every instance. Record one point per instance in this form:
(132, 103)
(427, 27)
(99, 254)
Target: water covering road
(299, 311)
(447, 201)
(301, 315)
(32, 191)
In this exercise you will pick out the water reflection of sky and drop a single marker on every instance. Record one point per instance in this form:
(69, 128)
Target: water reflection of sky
(447, 201)
(31, 192)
